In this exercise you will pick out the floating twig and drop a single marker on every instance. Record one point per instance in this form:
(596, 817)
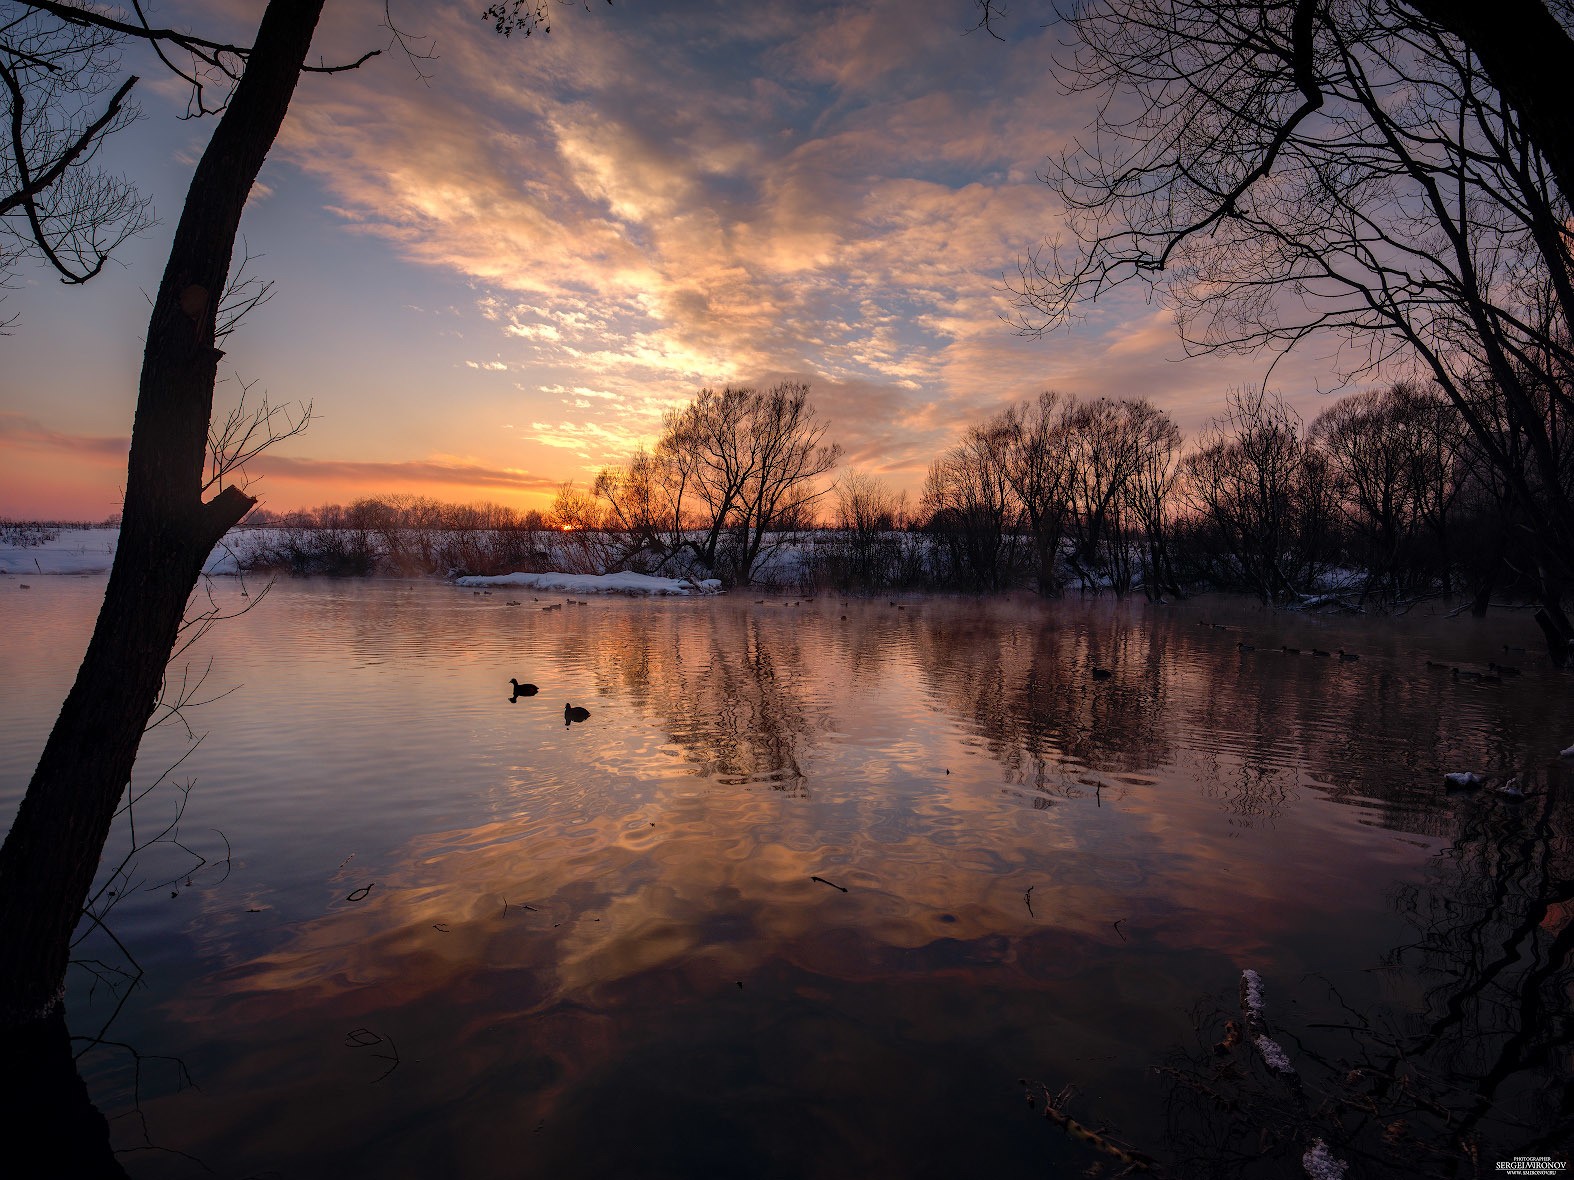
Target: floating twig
(832, 884)
(1135, 1161)
(365, 1038)
(1028, 898)
(1116, 924)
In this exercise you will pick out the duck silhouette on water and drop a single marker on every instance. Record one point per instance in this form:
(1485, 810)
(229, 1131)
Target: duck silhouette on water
(521, 690)
(573, 713)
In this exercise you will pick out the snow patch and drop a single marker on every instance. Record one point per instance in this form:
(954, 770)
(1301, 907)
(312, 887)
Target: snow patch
(92, 551)
(68, 551)
(1322, 1164)
(1251, 990)
(1273, 1056)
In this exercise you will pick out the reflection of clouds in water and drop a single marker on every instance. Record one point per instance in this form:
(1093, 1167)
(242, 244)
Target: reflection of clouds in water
(665, 864)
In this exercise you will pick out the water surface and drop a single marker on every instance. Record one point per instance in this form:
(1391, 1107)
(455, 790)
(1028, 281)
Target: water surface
(437, 931)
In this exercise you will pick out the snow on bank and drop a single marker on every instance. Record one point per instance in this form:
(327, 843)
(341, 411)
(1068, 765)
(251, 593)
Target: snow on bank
(69, 551)
(92, 551)
(623, 583)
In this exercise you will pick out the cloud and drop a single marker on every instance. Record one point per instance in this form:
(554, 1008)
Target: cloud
(21, 433)
(390, 475)
(98, 464)
(658, 198)
(835, 193)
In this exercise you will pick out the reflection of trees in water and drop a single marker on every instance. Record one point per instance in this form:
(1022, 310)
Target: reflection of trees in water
(1371, 735)
(1390, 738)
(738, 691)
(1024, 684)
(1495, 928)
(1480, 1073)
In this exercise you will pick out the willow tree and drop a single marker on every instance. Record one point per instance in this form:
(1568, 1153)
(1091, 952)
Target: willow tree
(1278, 169)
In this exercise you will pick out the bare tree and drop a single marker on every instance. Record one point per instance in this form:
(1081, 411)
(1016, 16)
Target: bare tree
(1283, 169)
(645, 505)
(709, 457)
(787, 455)
(866, 549)
(1246, 481)
(1149, 494)
(1108, 440)
(1038, 466)
(1395, 457)
(972, 508)
(59, 80)
(748, 460)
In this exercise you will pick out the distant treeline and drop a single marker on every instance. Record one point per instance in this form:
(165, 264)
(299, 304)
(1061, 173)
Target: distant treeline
(399, 535)
(1385, 493)
(25, 534)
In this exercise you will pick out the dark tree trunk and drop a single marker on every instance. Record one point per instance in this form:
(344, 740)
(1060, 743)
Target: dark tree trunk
(52, 852)
(1528, 56)
(48, 1108)
(1553, 620)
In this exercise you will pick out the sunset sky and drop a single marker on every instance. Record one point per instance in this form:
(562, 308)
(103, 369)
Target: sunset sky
(495, 278)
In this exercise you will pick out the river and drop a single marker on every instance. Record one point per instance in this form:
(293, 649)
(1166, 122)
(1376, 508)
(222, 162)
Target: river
(816, 887)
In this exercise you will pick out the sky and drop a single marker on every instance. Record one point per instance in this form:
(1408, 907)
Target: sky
(495, 268)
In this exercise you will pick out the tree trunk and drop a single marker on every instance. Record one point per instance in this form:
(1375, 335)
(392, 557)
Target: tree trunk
(49, 1106)
(1528, 56)
(52, 852)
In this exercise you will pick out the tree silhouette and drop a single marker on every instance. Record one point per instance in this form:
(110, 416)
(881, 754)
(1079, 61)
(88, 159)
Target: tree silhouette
(1275, 170)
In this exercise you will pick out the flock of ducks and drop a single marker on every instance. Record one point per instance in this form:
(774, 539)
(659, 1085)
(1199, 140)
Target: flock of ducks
(1494, 674)
(520, 601)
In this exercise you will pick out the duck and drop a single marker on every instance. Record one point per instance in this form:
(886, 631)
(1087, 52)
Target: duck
(1349, 656)
(1317, 651)
(523, 690)
(1290, 651)
(573, 713)
(1244, 646)
(1504, 669)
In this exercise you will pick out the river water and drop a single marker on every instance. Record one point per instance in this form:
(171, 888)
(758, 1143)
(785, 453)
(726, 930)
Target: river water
(816, 887)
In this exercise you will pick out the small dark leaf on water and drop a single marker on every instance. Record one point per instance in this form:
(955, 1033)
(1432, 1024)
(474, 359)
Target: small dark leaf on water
(360, 894)
(173, 893)
(740, 983)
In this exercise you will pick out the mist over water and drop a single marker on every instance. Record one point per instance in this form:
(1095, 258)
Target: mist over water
(813, 886)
